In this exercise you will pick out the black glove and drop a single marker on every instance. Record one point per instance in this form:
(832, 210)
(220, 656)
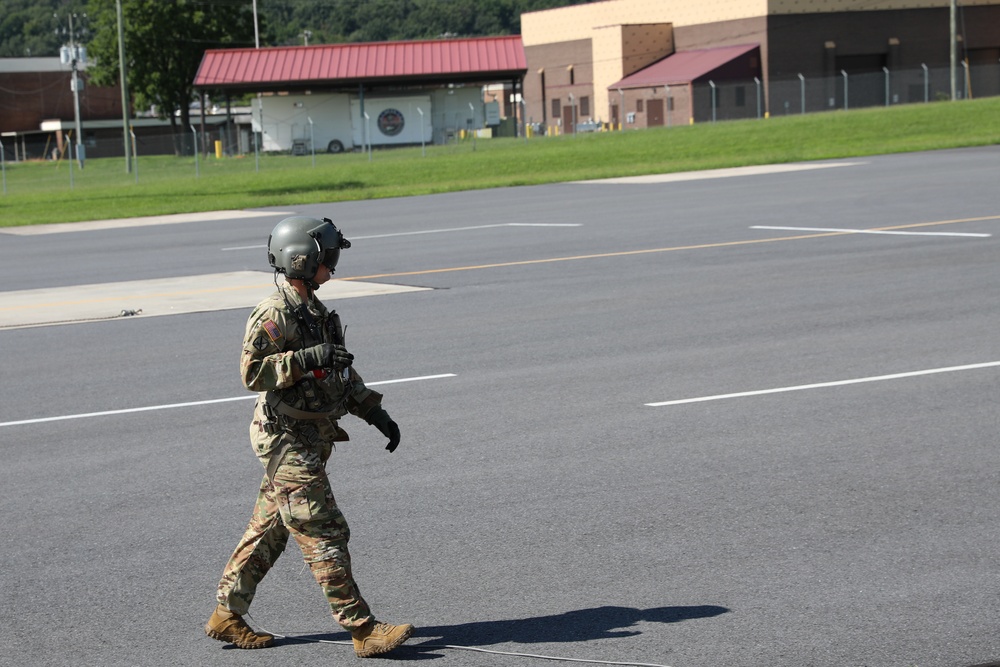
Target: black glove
(381, 420)
(324, 355)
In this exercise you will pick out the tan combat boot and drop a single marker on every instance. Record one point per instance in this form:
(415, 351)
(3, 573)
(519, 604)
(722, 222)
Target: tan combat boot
(377, 638)
(226, 626)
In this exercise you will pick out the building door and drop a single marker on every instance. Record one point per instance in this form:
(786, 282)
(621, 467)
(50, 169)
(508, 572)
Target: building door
(654, 112)
(568, 122)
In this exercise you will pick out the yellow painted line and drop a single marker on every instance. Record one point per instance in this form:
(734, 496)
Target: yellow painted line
(29, 300)
(626, 253)
(603, 255)
(939, 222)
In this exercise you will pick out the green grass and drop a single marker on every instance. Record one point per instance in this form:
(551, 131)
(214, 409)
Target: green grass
(40, 192)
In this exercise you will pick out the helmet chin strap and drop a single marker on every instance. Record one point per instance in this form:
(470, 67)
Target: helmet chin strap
(308, 282)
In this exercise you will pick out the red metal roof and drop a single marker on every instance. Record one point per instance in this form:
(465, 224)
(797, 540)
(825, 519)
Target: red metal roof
(484, 58)
(684, 67)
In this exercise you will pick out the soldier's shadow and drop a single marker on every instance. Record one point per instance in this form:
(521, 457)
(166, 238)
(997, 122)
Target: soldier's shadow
(573, 626)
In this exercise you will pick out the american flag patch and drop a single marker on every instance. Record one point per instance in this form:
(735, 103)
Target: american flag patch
(273, 332)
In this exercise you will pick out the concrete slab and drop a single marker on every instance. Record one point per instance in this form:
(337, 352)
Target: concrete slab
(174, 219)
(719, 173)
(161, 296)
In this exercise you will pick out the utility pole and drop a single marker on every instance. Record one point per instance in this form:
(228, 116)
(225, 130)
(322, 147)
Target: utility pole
(75, 55)
(952, 48)
(260, 99)
(126, 135)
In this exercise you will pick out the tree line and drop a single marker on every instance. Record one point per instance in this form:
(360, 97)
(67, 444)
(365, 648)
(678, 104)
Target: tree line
(38, 28)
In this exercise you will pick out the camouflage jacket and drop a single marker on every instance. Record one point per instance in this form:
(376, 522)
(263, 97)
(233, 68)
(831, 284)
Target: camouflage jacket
(305, 411)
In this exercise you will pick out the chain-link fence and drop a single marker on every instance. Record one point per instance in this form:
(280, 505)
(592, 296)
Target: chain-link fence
(732, 100)
(708, 101)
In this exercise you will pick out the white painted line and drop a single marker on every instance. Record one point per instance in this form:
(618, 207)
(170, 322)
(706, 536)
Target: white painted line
(838, 383)
(170, 406)
(432, 231)
(719, 173)
(415, 379)
(120, 223)
(867, 231)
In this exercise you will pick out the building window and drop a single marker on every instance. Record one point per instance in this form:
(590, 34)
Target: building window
(638, 106)
(585, 106)
(556, 109)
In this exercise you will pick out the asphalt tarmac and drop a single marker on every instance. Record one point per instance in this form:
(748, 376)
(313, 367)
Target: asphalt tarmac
(736, 419)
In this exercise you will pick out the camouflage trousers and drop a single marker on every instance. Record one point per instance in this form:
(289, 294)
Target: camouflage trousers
(300, 502)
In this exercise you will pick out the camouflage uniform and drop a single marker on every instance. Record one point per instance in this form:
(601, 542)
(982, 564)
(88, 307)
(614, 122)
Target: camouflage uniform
(293, 430)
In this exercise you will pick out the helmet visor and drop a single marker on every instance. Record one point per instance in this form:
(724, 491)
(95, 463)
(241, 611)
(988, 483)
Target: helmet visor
(330, 258)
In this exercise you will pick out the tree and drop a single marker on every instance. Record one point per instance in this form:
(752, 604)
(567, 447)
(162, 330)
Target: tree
(165, 41)
(37, 28)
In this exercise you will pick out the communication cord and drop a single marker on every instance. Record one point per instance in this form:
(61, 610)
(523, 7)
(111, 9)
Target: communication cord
(479, 650)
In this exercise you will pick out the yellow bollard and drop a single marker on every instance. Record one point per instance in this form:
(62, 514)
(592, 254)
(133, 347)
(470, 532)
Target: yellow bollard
(218, 149)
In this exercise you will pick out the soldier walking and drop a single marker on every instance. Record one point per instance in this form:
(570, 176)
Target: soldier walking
(294, 356)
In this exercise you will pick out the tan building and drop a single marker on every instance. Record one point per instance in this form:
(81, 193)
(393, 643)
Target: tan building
(576, 55)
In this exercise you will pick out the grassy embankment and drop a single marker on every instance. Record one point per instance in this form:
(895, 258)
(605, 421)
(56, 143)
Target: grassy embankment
(40, 192)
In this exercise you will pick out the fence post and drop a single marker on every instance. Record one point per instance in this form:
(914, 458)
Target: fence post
(927, 83)
(3, 168)
(844, 74)
(572, 104)
(802, 79)
(423, 148)
(472, 123)
(666, 94)
(135, 152)
(368, 135)
(312, 140)
(197, 172)
(757, 81)
(712, 84)
(258, 131)
(886, 70)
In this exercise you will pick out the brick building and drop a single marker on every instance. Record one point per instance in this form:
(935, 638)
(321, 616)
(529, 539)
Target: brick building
(585, 60)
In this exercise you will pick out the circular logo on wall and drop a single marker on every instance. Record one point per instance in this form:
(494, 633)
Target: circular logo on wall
(390, 122)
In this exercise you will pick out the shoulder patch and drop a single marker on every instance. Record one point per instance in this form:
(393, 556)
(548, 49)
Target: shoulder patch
(273, 332)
